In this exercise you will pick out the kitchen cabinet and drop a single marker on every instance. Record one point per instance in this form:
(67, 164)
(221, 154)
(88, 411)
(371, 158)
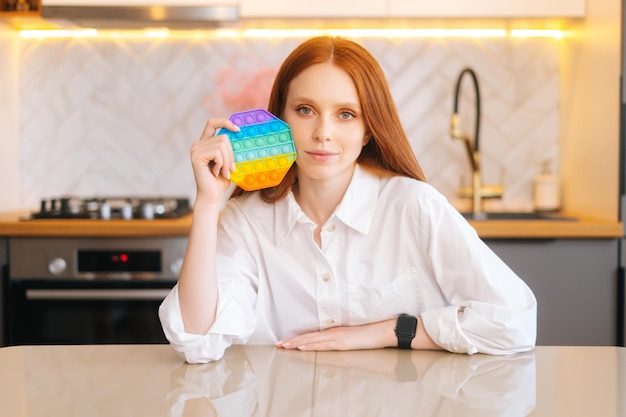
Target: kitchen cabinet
(139, 2)
(575, 283)
(20, 8)
(486, 8)
(412, 9)
(339, 9)
(312, 9)
(4, 260)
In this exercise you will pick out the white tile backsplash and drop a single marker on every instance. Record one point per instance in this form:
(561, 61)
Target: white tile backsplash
(9, 127)
(117, 117)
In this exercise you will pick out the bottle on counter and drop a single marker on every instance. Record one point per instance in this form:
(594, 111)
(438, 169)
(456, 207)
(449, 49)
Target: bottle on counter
(546, 189)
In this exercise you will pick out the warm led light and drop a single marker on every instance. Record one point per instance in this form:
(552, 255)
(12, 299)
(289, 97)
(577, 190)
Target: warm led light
(61, 33)
(296, 33)
(537, 33)
(157, 33)
(374, 33)
(227, 33)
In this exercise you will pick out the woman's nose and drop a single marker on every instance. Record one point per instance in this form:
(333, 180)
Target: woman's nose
(322, 131)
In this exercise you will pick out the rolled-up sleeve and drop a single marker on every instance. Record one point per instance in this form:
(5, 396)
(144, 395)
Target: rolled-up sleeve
(490, 308)
(236, 318)
(233, 325)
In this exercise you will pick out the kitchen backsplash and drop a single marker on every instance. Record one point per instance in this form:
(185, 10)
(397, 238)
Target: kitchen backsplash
(117, 116)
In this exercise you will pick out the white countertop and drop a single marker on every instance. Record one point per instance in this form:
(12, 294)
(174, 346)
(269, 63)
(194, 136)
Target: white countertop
(151, 380)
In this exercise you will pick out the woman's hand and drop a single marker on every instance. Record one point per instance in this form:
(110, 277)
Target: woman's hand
(213, 160)
(368, 336)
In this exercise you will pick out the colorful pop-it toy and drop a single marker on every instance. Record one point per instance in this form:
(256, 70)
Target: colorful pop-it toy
(263, 148)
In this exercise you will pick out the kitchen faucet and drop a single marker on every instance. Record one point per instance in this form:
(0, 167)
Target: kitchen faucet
(477, 191)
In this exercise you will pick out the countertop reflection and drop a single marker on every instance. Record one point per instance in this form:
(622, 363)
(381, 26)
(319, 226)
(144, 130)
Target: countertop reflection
(151, 380)
(263, 381)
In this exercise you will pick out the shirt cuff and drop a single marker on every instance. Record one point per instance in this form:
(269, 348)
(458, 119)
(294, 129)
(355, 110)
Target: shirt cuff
(442, 325)
(230, 327)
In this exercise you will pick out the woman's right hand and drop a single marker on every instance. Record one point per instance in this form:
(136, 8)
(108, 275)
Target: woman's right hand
(213, 160)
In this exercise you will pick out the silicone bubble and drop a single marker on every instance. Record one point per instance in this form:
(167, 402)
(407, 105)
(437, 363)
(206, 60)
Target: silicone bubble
(264, 149)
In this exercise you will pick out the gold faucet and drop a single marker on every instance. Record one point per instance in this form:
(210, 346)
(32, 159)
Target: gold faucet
(477, 191)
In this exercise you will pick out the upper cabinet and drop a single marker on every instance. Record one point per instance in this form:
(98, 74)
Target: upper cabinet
(412, 8)
(139, 2)
(341, 9)
(313, 9)
(486, 8)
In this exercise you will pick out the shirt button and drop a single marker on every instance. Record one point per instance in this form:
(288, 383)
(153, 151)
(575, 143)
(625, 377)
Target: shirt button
(330, 322)
(331, 228)
(326, 277)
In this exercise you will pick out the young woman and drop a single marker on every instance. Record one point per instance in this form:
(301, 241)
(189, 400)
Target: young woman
(352, 250)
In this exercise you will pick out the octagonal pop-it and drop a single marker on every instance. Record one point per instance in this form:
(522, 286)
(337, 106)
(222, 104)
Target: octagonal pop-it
(264, 149)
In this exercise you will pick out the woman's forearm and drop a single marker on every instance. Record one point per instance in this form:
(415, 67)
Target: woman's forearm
(197, 283)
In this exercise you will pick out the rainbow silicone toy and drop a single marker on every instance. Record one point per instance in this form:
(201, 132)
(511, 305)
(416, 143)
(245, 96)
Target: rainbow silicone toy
(263, 148)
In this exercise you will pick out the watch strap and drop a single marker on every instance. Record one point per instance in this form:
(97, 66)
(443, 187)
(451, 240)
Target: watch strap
(406, 327)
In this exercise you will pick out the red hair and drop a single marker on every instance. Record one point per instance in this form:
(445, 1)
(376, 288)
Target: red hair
(388, 152)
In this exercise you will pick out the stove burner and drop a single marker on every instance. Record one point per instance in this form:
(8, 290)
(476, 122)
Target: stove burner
(105, 208)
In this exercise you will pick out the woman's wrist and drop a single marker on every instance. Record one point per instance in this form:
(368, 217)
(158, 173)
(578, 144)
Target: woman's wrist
(389, 338)
(422, 340)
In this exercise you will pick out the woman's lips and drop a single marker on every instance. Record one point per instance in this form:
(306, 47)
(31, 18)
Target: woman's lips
(321, 156)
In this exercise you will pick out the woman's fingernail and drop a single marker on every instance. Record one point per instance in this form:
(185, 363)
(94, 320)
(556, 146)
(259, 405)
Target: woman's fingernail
(301, 347)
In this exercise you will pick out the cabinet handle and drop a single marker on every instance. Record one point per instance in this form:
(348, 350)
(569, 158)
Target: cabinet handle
(146, 294)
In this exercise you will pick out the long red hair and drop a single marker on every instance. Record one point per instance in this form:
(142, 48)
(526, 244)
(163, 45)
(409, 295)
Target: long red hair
(388, 152)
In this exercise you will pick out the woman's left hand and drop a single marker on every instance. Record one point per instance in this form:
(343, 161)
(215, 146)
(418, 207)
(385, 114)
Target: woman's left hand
(368, 336)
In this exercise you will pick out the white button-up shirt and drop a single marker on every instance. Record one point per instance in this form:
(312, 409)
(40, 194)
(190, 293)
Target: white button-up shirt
(393, 245)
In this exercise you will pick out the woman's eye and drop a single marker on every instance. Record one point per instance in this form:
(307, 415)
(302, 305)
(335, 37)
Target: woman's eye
(303, 110)
(346, 115)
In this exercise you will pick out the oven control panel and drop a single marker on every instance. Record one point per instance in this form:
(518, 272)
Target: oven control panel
(96, 258)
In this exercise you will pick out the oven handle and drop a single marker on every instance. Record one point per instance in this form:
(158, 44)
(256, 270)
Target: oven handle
(100, 294)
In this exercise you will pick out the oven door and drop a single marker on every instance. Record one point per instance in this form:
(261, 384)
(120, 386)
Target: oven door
(71, 312)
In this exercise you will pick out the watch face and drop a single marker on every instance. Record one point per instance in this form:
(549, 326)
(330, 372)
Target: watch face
(406, 325)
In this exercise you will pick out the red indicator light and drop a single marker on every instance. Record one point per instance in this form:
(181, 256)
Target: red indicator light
(114, 258)
(124, 257)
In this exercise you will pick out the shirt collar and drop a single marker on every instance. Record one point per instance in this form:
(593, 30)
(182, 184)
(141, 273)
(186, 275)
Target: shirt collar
(356, 209)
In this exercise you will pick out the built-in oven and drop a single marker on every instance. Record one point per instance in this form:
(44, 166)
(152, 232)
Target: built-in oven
(88, 291)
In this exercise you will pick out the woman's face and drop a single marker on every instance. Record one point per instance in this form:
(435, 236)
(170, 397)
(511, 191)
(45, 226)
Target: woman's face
(324, 114)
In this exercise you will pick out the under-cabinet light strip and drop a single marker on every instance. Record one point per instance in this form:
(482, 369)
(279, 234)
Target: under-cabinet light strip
(295, 33)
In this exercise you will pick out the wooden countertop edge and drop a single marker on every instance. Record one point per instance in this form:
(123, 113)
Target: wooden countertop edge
(11, 226)
(543, 229)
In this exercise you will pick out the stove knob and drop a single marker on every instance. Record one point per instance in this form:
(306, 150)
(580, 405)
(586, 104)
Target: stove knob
(127, 211)
(57, 266)
(105, 211)
(147, 211)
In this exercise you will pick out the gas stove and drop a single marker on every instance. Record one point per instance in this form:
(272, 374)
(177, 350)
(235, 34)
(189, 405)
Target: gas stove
(106, 208)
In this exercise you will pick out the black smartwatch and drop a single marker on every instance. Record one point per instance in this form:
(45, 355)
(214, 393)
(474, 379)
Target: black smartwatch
(405, 330)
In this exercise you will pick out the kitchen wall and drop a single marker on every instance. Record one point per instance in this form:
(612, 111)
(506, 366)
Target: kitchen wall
(9, 121)
(590, 117)
(117, 116)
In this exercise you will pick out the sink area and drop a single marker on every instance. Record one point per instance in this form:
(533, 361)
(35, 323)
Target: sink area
(518, 216)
